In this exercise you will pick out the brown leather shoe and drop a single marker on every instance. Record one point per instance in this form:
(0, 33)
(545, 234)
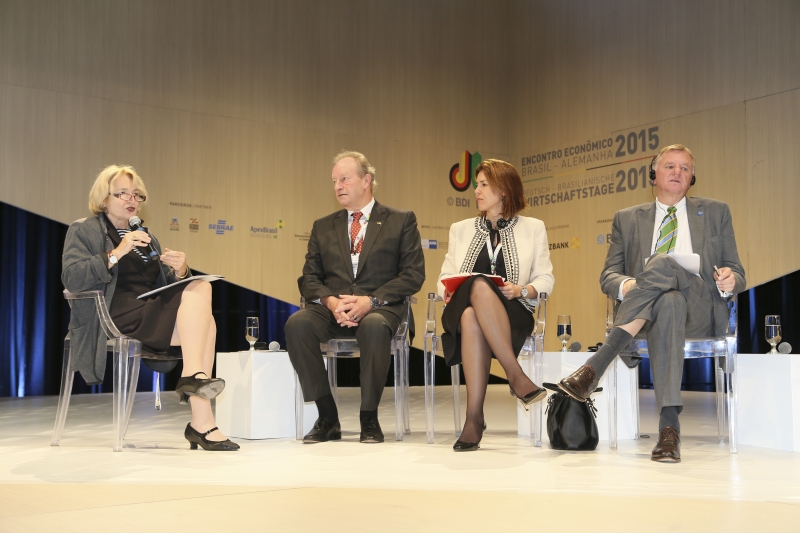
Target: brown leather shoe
(668, 447)
(580, 384)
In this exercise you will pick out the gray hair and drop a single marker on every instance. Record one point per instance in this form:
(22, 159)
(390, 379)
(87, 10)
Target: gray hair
(364, 167)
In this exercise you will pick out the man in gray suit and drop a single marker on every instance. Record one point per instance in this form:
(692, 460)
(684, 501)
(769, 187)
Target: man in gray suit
(362, 262)
(660, 300)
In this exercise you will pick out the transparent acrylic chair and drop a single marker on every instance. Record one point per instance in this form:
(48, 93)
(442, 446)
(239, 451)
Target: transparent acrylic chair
(126, 355)
(531, 355)
(723, 349)
(348, 348)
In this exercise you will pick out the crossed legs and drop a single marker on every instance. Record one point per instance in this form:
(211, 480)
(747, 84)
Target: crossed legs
(485, 329)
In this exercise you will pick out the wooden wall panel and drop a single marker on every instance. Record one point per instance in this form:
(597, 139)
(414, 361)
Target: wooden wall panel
(773, 185)
(232, 111)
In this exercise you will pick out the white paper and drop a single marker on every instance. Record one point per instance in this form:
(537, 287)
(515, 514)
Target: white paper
(690, 262)
(206, 277)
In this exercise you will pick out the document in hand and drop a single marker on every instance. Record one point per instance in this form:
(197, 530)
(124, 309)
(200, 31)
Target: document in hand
(690, 262)
(454, 281)
(206, 277)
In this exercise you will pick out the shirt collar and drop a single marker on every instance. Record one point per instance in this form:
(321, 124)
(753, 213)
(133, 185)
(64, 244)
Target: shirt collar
(680, 206)
(365, 212)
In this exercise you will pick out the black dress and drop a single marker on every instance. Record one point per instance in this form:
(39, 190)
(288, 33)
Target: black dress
(150, 320)
(520, 318)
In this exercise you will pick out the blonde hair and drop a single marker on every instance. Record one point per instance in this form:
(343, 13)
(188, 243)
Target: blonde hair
(102, 185)
(675, 148)
(364, 167)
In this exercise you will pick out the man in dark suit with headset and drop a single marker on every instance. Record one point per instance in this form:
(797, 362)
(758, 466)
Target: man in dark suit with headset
(661, 300)
(362, 262)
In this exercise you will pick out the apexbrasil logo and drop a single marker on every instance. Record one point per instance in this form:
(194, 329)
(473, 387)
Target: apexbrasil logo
(462, 174)
(265, 231)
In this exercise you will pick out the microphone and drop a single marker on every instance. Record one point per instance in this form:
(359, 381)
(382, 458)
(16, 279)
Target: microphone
(135, 223)
(575, 347)
(274, 346)
(785, 347)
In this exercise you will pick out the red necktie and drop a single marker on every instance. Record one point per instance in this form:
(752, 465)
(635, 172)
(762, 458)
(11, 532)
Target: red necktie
(355, 228)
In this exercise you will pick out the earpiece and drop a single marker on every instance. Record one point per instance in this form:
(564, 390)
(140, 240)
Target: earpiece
(653, 174)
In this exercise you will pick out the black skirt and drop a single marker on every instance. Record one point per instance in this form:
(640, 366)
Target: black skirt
(520, 318)
(149, 320)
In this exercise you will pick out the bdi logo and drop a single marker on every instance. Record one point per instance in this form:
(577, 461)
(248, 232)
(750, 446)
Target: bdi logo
(220, 227)
(462, 174)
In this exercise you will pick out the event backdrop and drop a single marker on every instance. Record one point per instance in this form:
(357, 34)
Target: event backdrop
(232, 111)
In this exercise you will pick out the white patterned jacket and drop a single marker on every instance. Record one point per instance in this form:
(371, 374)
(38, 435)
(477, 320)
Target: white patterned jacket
(525, 253)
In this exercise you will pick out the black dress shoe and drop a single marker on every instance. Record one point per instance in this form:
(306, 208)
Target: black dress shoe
(195, 437)
(668, 447)
(371, 431)
(532, 397)
(580, 384)
(324, 430)
(206, 388)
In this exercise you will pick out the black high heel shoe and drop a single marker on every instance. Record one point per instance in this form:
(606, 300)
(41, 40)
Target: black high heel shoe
(461, 446)
(532, 397)
(195, 437)
(207, 388)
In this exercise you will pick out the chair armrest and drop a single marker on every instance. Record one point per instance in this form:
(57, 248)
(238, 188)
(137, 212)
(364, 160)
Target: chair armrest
(106, 323)
(541, 316)
(733, 316)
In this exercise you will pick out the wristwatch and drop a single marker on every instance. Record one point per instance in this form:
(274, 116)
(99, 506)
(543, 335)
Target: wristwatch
(112, 260)
(375, 301)
(524, 292)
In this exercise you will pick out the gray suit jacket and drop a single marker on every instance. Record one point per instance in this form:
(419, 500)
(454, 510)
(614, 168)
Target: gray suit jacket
(85, 268)
(712, 239)
(391, 265)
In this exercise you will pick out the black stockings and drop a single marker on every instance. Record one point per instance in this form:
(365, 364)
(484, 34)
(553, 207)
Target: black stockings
(485, 329)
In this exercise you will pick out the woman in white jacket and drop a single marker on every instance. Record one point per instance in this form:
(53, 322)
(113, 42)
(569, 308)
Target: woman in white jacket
(482, 319)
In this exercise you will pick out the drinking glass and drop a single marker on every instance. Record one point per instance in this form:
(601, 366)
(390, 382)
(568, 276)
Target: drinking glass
(251, 331)
(772, 331)
(564, 330)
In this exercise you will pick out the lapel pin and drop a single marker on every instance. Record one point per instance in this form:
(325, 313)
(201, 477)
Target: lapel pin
(699, 213)
(379, 223)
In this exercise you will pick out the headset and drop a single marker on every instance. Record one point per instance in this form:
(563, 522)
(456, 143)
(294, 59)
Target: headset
(653, 172)
(501, 223)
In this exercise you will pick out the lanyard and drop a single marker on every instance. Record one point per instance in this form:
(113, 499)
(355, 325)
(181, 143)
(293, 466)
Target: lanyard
(360, 236)
(493, 255)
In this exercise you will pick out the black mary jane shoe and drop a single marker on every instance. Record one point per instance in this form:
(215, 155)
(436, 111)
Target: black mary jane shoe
(195, 437)
(207, 388)
(461, 446)
(532, 397)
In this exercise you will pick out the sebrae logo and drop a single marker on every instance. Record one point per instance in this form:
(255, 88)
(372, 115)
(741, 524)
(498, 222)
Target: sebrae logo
(462, 174)
(220, 227)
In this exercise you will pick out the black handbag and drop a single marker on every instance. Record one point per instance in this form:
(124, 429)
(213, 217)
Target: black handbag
(571, 424)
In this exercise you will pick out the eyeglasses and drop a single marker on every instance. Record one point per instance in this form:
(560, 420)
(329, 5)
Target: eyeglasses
(126, 196)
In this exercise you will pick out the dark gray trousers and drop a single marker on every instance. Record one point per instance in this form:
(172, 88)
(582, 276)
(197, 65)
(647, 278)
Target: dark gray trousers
(309, 327)
(676, 305)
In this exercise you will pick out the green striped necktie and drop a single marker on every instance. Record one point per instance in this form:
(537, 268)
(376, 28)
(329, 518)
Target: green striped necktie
(669, 232)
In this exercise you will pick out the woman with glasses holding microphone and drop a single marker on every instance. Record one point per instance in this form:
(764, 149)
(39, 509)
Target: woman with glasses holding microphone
(103, 253)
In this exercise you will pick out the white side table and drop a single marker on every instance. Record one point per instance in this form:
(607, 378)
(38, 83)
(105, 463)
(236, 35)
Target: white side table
(560, 364)
(769, 400)
(259, 397)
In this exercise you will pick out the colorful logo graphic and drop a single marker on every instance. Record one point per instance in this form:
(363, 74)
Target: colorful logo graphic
(462, 174)
(174, 226)
(430, 244)
(220, 227)
(575, 243)
(194, 225)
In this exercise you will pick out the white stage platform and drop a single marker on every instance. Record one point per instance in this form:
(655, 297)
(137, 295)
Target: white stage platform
(157, 483)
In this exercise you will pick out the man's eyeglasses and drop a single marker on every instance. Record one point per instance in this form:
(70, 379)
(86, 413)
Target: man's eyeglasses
(126, 196)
